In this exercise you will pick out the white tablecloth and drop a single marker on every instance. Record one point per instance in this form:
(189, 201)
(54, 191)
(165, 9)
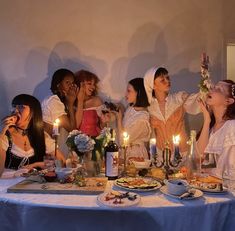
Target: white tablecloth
(81, 212)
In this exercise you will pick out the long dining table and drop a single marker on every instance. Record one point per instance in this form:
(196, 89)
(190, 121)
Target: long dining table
(156, 211)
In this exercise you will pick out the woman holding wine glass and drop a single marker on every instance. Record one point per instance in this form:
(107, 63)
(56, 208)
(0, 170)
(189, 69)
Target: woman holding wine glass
(135, 120)
(90, 118)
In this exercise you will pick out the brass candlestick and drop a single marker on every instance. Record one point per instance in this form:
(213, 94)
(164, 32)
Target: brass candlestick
(166, 162)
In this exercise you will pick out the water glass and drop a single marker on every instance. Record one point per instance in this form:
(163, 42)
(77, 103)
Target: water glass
(49, 162)
(229, 179)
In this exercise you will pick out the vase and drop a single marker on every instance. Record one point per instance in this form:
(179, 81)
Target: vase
(91, 167)
(72, 160)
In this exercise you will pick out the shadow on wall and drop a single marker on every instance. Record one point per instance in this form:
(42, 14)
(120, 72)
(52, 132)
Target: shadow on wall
(143, 48)
(5, 104)
(171, 47)
(67, 55)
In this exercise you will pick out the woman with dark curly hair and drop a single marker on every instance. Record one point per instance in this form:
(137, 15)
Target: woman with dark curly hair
(60, 106)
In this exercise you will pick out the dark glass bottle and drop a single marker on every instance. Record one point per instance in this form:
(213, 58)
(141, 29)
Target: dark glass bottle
(111, 158)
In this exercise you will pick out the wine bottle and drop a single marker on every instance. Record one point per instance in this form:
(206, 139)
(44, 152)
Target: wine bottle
(193, 159)
(111, 158)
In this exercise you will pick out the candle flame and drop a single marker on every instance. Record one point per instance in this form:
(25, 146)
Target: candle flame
(125, 135)
(176, 139)
(152, 141)
(57, 122)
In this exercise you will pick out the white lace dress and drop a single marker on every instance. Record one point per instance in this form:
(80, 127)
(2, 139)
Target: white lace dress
(136, 124)
(222, 146)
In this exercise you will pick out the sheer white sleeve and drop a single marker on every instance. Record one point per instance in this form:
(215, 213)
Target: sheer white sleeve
(4, 143)
(52, 108)
(50, 144)
(191, 106)
(139, 132)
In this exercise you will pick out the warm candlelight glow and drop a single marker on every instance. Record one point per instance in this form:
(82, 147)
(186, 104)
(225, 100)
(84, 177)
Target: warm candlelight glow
(152, 148)
(176, 139)
(125, 138)
(57, 121)
(152, 141)
(56, 127)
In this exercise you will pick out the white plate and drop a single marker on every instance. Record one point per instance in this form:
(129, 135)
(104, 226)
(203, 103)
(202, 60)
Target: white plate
(9, 173)
(125, 201)
(198, 193)
(136, 189)
(211, 191)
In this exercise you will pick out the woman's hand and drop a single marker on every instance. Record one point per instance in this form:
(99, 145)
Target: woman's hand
(71, 95)
(119, 115)
(105, 118)
(204, 110)
(34, 165)
(81, 92)
(8, 122)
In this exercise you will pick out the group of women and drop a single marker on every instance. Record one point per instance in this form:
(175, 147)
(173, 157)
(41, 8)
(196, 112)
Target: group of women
(26, 134)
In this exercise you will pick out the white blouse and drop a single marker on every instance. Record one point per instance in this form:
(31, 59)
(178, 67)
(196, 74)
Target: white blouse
(50, 147)
(136, 124)
(52, 108)
(173, 101)
(222, 145)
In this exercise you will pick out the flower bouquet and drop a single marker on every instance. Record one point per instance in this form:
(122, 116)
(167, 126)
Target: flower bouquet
(100, 142)
(205, 82)
(80, 142)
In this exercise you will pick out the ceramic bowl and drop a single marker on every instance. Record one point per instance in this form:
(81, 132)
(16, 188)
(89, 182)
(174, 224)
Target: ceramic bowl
(62, 173)
(176, 187)
(142, 164)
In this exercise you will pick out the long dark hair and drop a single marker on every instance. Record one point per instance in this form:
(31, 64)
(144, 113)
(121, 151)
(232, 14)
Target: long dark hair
(57, 78)
(35, 128)
(141, 98)
(84, 75)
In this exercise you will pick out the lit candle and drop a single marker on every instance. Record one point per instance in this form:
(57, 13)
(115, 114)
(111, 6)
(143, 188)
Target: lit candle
(176, 142)
(56, 127)
(125, 139)
(152, 148)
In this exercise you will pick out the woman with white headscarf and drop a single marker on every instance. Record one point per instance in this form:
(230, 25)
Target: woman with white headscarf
(167, 110)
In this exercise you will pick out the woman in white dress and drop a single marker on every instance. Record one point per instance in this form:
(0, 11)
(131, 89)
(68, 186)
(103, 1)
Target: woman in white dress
(217, 138)
(135, 120)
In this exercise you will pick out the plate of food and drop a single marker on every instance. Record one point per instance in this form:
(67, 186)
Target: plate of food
(190, 195)
(213, 188)
(118, 199)
(209, 184)
(138, 184)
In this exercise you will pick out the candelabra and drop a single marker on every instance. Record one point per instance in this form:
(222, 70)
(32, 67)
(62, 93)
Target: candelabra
(166, 162)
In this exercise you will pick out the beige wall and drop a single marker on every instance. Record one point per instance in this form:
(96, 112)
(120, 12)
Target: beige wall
(116, 39)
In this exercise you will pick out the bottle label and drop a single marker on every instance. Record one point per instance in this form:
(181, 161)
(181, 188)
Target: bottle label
(111, 164)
